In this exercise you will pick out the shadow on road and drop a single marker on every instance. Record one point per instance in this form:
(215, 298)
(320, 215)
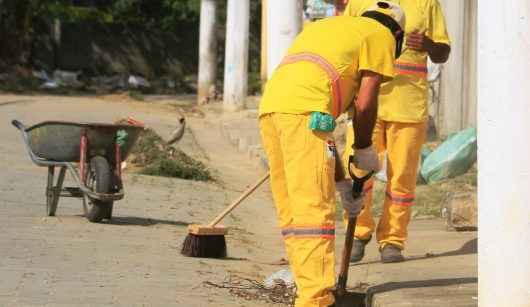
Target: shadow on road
(141, 221)
(470, 247)
(392, 286)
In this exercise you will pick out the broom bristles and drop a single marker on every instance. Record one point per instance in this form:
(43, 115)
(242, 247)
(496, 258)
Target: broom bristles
(204, 246)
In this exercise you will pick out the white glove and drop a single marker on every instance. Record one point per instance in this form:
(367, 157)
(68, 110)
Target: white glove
(366, 159)
(352, 206)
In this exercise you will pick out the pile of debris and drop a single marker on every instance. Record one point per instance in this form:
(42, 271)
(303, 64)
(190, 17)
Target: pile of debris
(60, 81)
(253, 290)
(153, 156)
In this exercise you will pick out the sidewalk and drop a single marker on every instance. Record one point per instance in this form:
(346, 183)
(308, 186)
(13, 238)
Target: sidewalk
(441, 266)
(135, 261)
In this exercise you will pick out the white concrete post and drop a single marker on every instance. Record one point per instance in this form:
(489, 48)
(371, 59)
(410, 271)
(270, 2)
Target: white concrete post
(452, 91)
(207, 51)
(284, 21)
(263, 66)
(504, 153)
(470, 65)
(236, 54)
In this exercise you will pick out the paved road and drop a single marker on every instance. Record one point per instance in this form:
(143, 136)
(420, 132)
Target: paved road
(135, 260)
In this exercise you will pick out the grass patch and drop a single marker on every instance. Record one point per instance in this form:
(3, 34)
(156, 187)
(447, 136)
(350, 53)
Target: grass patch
(136, 95)
(153, 157)
(430, 198)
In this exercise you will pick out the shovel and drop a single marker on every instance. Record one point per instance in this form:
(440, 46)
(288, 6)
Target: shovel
(342, 297)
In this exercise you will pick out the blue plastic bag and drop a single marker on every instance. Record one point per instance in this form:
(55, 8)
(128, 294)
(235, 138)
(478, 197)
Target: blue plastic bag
(452, 158)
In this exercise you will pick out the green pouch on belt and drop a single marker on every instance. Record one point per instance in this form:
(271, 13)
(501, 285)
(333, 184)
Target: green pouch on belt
(322, 122)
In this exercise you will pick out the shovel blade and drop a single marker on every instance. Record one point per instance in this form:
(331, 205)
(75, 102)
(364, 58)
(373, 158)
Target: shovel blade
(351, 299)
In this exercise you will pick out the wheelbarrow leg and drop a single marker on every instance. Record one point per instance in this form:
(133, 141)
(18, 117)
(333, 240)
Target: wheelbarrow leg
(58, 188)
(50, 192)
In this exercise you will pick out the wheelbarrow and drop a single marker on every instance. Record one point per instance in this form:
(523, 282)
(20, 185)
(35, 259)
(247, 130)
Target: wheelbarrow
(91, 152)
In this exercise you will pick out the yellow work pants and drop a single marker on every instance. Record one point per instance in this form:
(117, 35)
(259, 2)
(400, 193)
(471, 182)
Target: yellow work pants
(302, 167)
(402, 143)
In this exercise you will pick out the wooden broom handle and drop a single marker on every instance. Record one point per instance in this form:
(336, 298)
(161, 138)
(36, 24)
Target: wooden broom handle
(239, 200)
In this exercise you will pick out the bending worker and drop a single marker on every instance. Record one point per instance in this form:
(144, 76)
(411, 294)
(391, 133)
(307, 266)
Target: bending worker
(401, 125)
(329, 63)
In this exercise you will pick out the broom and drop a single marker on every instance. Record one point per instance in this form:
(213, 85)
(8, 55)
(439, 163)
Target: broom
(208, 241)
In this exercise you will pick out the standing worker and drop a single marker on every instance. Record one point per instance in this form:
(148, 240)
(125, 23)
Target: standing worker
(329, 63)
(401, 125)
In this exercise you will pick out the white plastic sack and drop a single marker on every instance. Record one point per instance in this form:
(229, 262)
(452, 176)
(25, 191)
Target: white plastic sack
(284, 276)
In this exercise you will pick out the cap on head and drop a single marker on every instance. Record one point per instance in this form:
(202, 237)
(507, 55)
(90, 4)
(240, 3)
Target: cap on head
(390, 9)
(391, 16)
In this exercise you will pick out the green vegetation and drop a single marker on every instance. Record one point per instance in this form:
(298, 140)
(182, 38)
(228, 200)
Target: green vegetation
(25, 30)
(152, 156)
(430, 198)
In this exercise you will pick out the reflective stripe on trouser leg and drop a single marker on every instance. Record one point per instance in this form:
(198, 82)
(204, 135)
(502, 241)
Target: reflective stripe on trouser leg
(404, 142)
(307, 167)
(365, 221)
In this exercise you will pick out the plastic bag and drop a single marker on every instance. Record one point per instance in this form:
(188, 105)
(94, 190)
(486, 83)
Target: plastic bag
(284, 276)
(452, 158)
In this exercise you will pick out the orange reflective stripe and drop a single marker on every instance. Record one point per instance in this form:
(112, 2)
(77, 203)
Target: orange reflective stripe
(403, 199)
(404, 68)
(309, 231)
(332, 73)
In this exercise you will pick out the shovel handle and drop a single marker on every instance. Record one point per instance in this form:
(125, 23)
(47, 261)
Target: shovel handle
(357, 191)
(346, 255)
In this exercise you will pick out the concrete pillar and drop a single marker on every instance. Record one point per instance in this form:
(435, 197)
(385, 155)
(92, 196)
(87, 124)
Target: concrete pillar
(470, 65)
(263, 68)
(236, 54)
(284, 21)
(504, 153)
(207, 51)
(452, 90)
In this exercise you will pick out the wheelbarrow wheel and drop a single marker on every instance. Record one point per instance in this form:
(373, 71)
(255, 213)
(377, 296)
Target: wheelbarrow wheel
(99, 179)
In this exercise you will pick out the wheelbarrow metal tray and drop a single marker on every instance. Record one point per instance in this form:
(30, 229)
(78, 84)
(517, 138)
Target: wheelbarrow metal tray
(60, 141)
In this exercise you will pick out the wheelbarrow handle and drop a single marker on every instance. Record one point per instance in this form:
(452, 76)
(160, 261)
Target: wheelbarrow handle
(20, 126)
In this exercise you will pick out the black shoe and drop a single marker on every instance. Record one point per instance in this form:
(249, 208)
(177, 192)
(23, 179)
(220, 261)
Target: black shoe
(391, 253)
(357, 252)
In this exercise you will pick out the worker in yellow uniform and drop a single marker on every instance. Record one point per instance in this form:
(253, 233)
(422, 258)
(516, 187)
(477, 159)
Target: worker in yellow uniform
(329, 63)
(401, 125)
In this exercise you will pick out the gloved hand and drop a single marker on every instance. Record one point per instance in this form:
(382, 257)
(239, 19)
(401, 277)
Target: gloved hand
(366, 159)
(352, 206)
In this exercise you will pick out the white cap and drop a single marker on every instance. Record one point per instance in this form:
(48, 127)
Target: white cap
(390, 9)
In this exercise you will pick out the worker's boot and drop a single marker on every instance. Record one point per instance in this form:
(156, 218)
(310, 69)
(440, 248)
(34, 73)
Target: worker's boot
(357, 252)
(391, 253)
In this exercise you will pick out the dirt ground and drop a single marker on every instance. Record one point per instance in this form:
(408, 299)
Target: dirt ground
(134, 260)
